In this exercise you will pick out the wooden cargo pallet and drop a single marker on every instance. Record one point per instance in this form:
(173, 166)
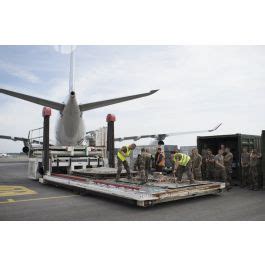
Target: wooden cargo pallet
(100, 172)
(142, 195)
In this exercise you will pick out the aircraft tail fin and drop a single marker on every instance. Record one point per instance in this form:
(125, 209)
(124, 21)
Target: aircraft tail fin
(40, 101)
(71, 73)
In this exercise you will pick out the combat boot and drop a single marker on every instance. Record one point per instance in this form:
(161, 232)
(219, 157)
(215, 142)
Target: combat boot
(117, 178)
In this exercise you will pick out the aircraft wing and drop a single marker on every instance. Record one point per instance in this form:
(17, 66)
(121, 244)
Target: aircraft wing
(164, 135)
(40, 101)
(13, 138)
(22, 139)
(103, 103)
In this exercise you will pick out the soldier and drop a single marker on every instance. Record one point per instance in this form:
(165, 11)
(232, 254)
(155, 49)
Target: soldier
(222, 147)
(228, 161)
(196, 164)
(182, 164)
(159, 160)
(204, 154)
(148, 158)
(219, 171)
(253, 169)
(209, 165)
(140, 164)
(245, 159)
(122, 154)
(172, 153)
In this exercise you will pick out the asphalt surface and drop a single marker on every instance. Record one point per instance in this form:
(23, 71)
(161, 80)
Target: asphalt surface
(57, 203)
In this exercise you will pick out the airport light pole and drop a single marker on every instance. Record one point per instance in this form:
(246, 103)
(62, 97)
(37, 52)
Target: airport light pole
(110, 119)
(46, 113)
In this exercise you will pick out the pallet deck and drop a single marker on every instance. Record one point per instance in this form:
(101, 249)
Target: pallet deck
(100, 172)
(143, 195)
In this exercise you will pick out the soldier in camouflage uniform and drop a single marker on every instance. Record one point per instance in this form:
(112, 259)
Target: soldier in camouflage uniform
(196, 164)
(228, 161)
(253, 170)
(172, 153)
(148, 157)
(204, 154)
(219, 172)
(209, 165)
(140, 165)
(222, 147)
(245, 160)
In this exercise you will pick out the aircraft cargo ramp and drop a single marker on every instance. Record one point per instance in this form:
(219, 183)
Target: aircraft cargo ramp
(142, 195)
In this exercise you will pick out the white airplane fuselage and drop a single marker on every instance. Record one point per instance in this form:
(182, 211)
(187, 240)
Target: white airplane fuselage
(70, 128)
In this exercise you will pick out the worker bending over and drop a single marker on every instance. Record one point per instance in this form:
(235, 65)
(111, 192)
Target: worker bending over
(182, 164)
(122, 154)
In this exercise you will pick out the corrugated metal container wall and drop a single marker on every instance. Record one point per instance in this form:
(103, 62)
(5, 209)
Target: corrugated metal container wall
(263, 158)
(236, 142)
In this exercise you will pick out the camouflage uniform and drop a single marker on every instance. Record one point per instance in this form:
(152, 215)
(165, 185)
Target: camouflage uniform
(219, 172)
(172, 161)
(253, 171)
(245, 159)
(228, 160)
(196, 166)
(140, 166)
(204, 166)
(210, 167)
(147, 164)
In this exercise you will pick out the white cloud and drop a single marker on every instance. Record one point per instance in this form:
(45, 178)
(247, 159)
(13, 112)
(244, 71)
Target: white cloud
(17, 71)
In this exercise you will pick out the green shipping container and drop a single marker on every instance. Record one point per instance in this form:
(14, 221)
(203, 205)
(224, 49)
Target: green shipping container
(236, 143)
(263, 157)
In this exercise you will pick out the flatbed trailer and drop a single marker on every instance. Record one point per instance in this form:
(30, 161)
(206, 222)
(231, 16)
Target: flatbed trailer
(82, 167)
(142, 195)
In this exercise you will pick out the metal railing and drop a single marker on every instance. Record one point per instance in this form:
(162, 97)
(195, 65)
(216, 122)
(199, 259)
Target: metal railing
(35, 136)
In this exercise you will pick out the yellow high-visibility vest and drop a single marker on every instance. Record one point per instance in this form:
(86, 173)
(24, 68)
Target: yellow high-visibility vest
(127, 154)
(184, 159)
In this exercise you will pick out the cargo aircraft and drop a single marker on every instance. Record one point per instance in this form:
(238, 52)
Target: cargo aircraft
(70, 128)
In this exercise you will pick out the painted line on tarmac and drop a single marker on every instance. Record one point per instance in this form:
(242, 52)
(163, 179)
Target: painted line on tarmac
(38, 199)
(9, 191)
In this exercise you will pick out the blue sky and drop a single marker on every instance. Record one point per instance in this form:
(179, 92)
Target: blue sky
(200, 86)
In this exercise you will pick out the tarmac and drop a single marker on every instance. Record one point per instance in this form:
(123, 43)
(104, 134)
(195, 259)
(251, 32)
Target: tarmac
(22, 199)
